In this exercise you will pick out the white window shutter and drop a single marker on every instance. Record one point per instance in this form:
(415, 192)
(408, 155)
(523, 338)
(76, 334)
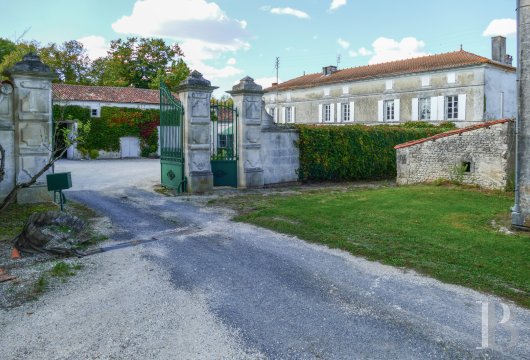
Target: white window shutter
(380, 110)
(397, 110)
(434, 108)
(441, 107)
(352, 111)
(332, 112)
(339, 112)
(462, 106)
(293, 114)
(415, 105)
(319, 113)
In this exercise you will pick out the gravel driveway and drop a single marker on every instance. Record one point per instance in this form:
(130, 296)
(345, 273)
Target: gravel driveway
(209, 288)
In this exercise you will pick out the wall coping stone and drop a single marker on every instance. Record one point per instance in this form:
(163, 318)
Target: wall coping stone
(453, 132)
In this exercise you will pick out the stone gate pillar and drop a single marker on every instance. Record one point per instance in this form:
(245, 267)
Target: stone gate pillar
(248, 99)
(195, 93)
(7, 140)
(32, 108)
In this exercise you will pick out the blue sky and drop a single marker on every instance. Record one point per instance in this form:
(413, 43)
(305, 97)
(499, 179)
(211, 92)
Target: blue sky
(228, 39)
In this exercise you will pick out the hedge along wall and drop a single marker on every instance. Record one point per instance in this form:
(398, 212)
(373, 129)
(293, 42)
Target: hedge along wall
(115, 122)
(356, 152)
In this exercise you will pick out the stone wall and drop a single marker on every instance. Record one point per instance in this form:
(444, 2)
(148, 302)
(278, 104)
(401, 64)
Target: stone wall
(279, 153)
(486, 151)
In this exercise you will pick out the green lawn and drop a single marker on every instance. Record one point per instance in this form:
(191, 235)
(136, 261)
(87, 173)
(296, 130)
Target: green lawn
(441, 231)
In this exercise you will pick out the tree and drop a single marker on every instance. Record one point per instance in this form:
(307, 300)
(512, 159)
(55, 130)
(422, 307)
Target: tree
(172, 77)
(6, 47)
(140, 62)
(69, 61)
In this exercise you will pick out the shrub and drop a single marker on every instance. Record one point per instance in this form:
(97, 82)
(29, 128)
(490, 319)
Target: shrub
(93, 153)
(357, 152)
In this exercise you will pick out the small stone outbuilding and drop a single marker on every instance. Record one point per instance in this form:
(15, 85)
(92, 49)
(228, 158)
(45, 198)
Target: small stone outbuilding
(480, 155)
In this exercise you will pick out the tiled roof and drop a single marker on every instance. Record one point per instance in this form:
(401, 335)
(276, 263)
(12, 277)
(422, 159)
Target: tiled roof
(415, 65)
(452, 132)
(112, 94)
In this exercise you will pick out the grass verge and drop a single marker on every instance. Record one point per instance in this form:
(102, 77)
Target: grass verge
(444, 232)
(15, 216)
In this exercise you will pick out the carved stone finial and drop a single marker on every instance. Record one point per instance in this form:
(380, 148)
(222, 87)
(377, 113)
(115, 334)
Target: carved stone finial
(246, 85)
(196, 79)
(30, 64)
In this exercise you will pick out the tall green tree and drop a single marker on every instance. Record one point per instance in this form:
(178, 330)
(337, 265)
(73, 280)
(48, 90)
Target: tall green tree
(140, 62)
(172, 76)
(69, 60)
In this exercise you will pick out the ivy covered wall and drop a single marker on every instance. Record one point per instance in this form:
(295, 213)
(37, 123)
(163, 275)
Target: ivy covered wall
(113, 123)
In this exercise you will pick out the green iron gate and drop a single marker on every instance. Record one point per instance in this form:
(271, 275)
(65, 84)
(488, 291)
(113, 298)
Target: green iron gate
(171, 141)
(223, 147)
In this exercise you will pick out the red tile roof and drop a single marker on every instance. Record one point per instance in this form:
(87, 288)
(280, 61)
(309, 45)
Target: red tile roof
(449, 60)
(112, 94)
(452, 132)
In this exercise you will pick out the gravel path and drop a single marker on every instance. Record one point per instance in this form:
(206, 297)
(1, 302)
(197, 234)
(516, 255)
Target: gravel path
(120, 307)
(209, 288)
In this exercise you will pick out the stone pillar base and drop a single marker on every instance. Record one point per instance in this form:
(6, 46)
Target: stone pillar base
(33, 195)
(254, 178)
(200, 182)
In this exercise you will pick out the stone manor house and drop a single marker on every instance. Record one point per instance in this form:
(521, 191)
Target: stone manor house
(458, 86)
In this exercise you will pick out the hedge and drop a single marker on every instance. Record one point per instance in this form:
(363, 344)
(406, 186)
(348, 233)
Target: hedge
(356, 152)
(70, 112)
(115, 122)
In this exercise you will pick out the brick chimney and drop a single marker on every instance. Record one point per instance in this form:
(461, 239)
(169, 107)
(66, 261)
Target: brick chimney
(498, 49)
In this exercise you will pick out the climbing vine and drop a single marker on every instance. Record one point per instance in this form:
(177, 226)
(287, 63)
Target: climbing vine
(115, 122)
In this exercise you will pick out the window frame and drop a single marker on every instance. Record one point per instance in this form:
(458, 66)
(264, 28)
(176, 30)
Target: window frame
(288, 114)
(428, 101)
(94, 112)
(451, 106)
(389, 114)
(345, 110)
(326, 113)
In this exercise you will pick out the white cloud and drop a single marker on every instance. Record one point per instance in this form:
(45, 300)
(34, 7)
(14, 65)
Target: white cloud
(502, 27)
(385, 49)
(202, 28)
(231, 61)
(96, 46)
(335, 4)
(266, 82)
(290, 11)
(343, 43)
(360, 52)
(364, 52)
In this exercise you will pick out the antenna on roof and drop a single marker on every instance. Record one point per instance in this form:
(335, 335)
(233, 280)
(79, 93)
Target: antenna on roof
(338, 60)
